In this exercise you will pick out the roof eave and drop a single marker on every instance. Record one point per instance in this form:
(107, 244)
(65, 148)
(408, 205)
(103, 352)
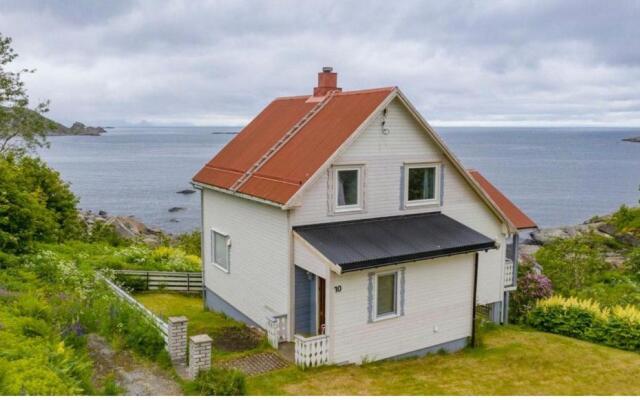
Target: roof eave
(200, 185)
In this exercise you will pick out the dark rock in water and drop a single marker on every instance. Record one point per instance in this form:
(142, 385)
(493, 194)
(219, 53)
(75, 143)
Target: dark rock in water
(176, 209)
(224, 133)
(632, 139)
(102, 213)
(186, 191)
(174, 220)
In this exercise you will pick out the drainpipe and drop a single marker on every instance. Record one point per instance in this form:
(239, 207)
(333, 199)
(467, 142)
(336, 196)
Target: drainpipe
(475, 291)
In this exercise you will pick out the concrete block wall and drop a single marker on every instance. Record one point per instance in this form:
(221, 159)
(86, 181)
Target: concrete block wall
(199, 354)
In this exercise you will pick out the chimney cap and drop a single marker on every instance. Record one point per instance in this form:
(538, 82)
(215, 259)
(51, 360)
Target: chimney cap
(327, 69)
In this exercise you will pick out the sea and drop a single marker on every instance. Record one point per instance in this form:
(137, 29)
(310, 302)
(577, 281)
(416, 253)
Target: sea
(558, 176)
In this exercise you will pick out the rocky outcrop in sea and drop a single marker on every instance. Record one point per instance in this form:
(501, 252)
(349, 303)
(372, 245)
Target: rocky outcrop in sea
(78, 128)
(632, 139)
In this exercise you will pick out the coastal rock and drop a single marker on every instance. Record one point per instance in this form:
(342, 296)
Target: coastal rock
(176, 209)
(544, 236)
(632, 139)
(186, 191)
(127, 227)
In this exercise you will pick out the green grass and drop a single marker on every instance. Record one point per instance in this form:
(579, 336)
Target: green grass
(166, 304)
(513, 361)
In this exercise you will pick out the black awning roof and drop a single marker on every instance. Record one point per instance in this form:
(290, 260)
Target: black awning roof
(368, 243)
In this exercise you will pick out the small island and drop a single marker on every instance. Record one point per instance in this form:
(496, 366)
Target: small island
(78, 128)
(632, 139)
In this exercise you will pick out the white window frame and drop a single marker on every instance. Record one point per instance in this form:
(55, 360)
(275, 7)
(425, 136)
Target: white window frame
(359, 206)
(396, 312)
(224, 268)
(436, 194)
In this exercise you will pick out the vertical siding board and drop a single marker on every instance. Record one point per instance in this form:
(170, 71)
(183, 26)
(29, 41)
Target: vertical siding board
(371, 277)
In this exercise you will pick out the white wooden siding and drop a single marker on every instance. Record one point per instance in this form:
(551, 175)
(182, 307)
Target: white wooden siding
(308, 259)
(438, 296)
(384, 157)
(258, 282)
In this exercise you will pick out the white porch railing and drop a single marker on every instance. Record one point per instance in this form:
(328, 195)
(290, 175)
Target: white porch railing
(277, 329)
(509, 278)
(311, 351)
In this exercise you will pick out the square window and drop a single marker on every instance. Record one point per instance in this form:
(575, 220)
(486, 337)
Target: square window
(220, 250)
(422, 184)
(386, 296)
(348, 193)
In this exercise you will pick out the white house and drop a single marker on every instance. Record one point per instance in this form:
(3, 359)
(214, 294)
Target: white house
(341, 221)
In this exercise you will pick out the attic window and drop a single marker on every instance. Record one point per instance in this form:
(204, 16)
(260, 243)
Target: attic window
(348, 188)
(422, 184)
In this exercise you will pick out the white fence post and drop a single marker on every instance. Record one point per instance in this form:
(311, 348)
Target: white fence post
(177, 339)
(199, 354)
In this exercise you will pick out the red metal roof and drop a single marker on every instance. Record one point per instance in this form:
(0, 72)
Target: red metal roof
(518, 218)
(294, 163)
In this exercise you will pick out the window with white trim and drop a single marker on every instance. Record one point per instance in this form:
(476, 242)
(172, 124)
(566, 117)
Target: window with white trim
(220, 249)
(422, 184)
(348, 193)
(386, 295)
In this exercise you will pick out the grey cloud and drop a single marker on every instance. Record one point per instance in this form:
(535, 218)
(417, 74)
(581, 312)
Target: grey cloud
(219, 62)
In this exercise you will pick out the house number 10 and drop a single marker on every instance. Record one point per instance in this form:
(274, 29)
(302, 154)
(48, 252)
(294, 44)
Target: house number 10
(338, 288)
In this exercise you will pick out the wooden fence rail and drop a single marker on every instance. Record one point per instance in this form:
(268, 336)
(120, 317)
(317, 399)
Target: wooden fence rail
(160, 280)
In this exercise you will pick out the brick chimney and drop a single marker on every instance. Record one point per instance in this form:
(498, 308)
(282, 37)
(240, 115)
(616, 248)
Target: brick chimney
(327, 81)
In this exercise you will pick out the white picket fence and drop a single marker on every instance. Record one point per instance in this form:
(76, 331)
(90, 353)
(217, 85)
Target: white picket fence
(157, 321)
(311, 351)
(277, 330)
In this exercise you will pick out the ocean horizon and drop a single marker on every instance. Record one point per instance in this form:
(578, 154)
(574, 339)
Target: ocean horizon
(557, 175)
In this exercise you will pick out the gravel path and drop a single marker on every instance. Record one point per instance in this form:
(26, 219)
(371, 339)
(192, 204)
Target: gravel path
(136, 378)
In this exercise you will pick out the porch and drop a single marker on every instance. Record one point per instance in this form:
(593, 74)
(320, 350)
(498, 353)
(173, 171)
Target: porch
(310, 344)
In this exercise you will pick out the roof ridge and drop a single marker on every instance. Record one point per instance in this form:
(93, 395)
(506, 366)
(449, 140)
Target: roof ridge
(342, 93)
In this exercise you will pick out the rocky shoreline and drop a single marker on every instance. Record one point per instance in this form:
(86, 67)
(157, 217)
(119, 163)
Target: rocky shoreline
(597, 225)
(127, 227)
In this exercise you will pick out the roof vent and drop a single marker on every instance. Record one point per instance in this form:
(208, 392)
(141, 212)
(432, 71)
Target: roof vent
(327, 81)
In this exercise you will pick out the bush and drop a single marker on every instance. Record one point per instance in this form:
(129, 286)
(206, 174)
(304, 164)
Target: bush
(627, 220)
(573, 264)
(586, 319)
(190, 242)
(35, 205)
(217, 382)
(531, 288)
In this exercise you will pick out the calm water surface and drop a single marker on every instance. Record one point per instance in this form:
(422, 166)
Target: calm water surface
(558, 176)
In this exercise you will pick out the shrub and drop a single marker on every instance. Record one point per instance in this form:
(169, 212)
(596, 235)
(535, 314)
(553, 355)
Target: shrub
(35, 205)
(190, 242)
(633, 262)
(572, 264)
(531, 288)
(627, 220)
(217, 382)
(586, 319)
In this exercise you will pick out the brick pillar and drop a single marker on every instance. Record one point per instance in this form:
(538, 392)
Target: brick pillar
(177, 339)
(199, 354)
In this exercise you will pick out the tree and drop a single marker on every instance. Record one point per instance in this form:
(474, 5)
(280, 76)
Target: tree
(21, 128)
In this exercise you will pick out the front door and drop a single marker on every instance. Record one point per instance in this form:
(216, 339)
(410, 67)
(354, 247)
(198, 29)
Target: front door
(321, 306)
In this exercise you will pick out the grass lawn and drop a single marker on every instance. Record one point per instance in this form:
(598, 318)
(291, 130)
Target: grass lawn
(166, 304)
(513, 361)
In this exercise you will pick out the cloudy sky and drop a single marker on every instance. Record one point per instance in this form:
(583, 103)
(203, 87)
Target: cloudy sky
(219, 62)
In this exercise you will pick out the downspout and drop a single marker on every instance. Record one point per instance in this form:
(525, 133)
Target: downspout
(204, 282)
(475, 291)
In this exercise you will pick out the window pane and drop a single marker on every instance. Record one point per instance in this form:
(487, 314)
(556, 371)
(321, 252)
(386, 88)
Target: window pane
(348, 187)
(220, 252)
(386, 294)
(422, 184)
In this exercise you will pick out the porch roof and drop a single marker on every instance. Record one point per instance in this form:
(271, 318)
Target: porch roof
(369, 243)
